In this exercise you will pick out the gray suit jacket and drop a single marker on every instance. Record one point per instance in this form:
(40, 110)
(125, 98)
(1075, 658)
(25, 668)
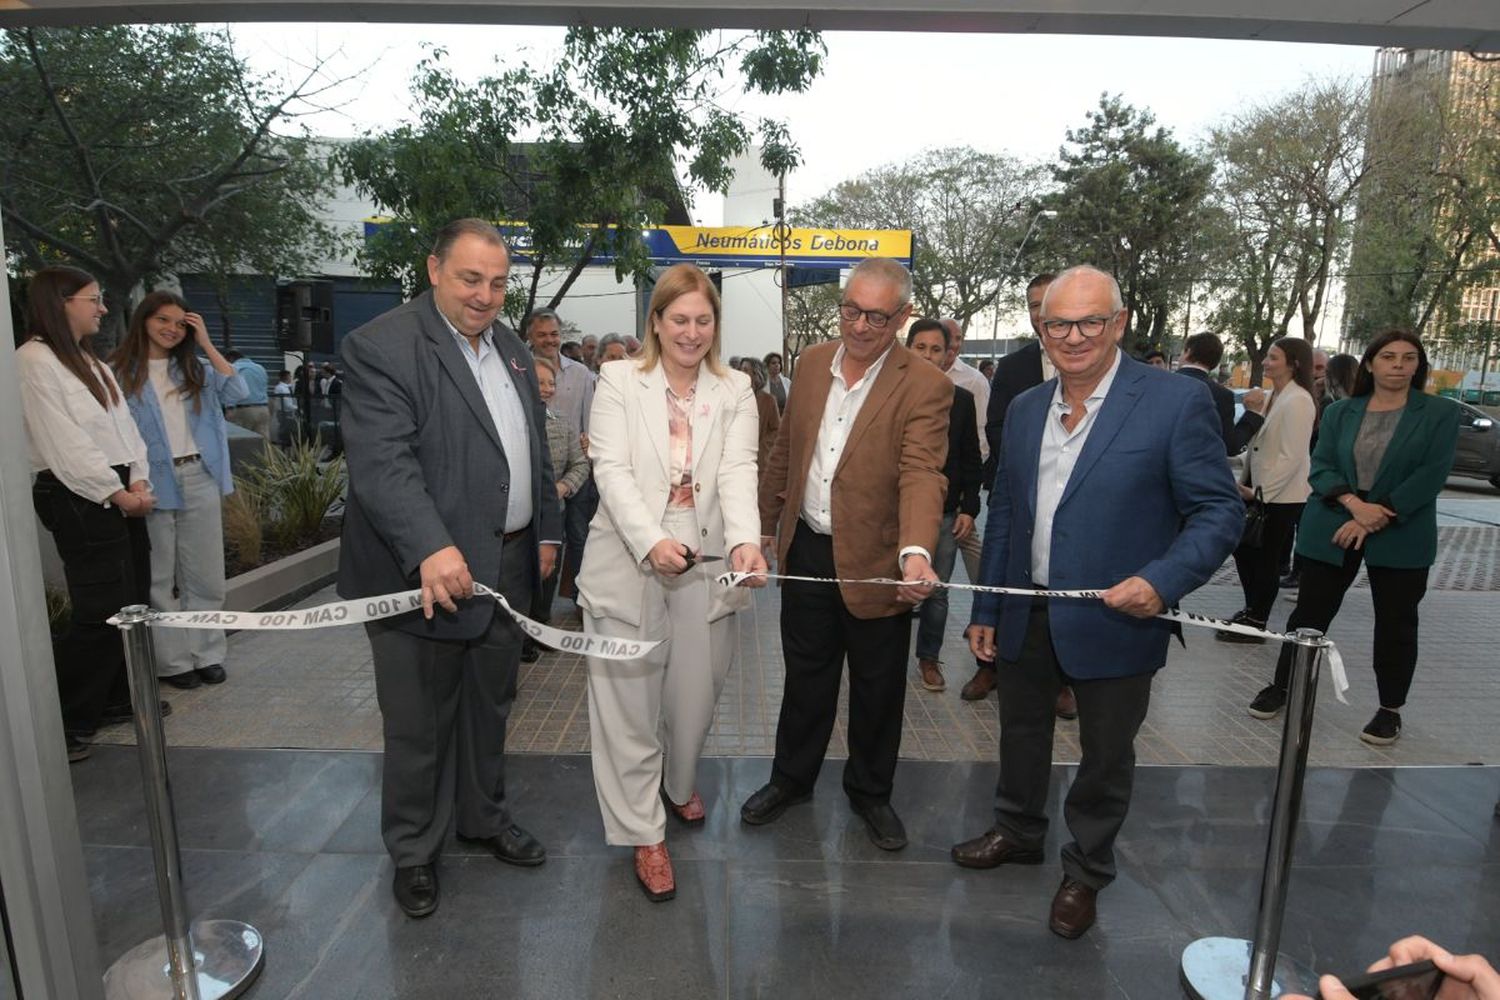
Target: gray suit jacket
(426, 468)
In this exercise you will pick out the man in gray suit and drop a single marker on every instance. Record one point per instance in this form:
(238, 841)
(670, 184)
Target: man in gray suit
(448, 471)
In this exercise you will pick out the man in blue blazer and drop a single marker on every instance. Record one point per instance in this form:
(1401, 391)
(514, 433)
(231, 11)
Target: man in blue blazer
(1112, 477)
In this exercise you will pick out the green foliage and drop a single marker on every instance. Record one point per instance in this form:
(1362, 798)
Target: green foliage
(294, 493)
(584, 149)
(1129, 199)
(967, 210)
(132, 151)
(1287, 176)
(59, 609)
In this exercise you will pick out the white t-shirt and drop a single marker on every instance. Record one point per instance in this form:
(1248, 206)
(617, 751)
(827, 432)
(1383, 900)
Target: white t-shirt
(173, 408)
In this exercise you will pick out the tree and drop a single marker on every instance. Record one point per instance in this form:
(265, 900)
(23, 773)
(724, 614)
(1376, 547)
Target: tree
(1429, 215)
(1287, 174)
(811, 317)
(1131, 200)
(136, 151)
(967, 211)
(609, 124)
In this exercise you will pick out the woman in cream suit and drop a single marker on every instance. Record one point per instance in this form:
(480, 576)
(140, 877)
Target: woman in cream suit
(1276, 467)
(673, 439)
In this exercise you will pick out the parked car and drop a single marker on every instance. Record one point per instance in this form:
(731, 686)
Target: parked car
(1478, 452)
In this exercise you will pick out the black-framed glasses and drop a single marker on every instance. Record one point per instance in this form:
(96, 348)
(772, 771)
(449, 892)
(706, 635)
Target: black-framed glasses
(877, 320)
(1089, 326)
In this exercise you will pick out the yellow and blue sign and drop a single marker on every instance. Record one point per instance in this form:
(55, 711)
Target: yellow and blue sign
(736, 246)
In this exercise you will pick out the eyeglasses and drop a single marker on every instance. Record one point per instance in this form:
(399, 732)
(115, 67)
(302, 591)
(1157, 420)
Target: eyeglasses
(95, 299)
(1089, 326)
(877, 320)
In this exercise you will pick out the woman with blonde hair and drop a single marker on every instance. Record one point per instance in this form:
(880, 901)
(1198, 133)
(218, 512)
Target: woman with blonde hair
(673, 440)
(178, 405)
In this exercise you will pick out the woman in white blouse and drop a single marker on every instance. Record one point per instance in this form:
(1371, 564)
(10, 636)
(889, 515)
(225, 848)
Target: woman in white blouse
(91, 492)
(178, 405)
(673, 440)
(1276, 467)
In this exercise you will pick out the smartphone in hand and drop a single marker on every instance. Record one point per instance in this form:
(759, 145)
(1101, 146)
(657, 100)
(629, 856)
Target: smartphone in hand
(1417, 981)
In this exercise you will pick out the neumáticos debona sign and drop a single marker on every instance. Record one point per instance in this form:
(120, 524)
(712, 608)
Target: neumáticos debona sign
(736, 246)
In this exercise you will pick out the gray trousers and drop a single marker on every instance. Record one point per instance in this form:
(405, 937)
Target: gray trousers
(444, 705)
(187, 571)
(1110, 713)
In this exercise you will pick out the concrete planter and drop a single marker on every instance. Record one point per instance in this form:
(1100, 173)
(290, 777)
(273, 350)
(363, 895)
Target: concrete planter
(285, 581)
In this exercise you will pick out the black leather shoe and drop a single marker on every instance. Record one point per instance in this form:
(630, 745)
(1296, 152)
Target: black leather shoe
(416, 890)
(211, 674)
(1073, 909)
(512, 845)
(530, 652)
(991, 849)
(767, 805)
(185, 681)
(881, 822)
(116, 714)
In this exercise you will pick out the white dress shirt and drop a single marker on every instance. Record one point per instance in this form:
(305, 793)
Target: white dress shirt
(1060, 450)
(966, 376)
(69, 432)
(509, 416)
(839, 413)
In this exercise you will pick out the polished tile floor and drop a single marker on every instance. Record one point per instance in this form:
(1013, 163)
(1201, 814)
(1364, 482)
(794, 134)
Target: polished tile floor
(289, 841)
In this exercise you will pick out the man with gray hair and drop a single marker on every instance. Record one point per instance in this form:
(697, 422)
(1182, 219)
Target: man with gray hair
(1111, 478)
(572, 400)
(853, 490)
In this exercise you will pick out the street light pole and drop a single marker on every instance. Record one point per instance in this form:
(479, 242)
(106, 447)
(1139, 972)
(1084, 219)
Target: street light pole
(1009, 272)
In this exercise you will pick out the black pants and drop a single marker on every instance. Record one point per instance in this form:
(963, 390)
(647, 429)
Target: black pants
(817, 635)
(1259, 566)
(1110, 713)
(444, 707)
(1396, 594)
(107, 562)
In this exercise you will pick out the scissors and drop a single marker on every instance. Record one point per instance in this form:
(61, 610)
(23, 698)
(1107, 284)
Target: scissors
(693, 560)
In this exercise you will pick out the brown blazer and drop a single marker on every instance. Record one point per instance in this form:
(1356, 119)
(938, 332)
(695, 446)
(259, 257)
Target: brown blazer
(888, 487)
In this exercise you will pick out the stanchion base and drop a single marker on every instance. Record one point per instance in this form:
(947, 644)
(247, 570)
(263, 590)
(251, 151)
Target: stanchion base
(1218, 968)
(228, 956)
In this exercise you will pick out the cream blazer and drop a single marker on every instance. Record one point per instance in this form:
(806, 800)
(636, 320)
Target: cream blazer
(629, 444)
(1280, 456)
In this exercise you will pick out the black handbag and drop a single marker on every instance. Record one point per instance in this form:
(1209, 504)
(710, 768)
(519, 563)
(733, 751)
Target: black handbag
(1255, 522)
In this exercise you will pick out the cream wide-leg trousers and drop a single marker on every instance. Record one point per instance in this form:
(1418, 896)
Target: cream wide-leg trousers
(648, 718)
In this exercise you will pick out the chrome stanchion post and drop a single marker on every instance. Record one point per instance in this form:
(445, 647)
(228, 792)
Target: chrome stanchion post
(210, 960)
(1220, 968)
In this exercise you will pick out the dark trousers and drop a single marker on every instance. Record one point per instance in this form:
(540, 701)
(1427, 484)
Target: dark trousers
(578, 511)
(1396, 594)
(107, 563)
(1259, 566)
(818, 634)
(444, 706)
(1110, 713)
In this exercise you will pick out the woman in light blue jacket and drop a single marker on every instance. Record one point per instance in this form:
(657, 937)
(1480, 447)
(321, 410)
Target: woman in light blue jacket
(178, 405)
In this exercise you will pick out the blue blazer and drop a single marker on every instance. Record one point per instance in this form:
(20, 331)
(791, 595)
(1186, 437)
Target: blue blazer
(1151, 495)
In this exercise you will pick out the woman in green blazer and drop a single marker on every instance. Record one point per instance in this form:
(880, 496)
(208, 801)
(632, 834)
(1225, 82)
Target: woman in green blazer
(1382, 457)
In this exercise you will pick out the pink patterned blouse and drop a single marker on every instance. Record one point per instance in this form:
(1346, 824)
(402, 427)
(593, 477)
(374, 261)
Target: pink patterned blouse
(680, 424)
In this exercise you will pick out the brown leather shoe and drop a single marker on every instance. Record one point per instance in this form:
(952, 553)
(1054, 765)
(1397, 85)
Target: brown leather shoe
(932, 675)
(1073, 909)
(653, 866)
(690, 812)
(991, 849)
(980, 685)
(1067, 704)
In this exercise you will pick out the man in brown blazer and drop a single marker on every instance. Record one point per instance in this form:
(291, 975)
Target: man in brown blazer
(853, 489)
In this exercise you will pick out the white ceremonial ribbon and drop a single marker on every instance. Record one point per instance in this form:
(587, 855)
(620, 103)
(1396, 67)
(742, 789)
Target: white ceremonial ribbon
(1336, 671)
(369, 609)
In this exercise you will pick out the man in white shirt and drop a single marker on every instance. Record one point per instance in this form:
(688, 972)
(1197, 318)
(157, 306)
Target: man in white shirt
(853, 490)
(572, 400)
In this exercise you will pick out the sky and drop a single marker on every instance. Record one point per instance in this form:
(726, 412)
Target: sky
(883, 97)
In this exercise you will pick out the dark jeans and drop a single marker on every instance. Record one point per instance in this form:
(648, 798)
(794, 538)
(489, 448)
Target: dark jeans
(1396, 594)
(1259, 566)
(578, 511)
(1110, 713)
(107, 562)
(818, 634)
